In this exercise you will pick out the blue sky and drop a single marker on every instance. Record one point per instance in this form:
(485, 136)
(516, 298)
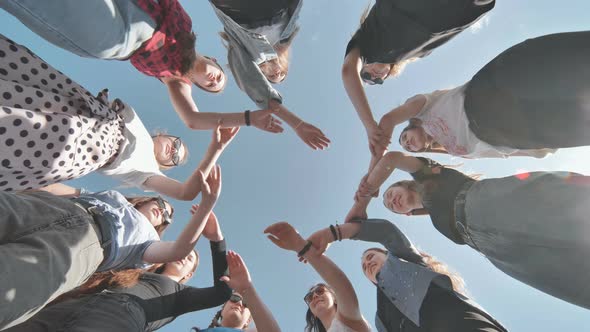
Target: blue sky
(268, 178)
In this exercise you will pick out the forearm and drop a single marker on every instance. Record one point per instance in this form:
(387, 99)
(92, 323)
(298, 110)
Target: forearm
(354, 87)
(60, 189)
(218, 257)
(263, 317)
(381, 171)
(191, 187)
(284, 114)
(210, 120)
(190, 234)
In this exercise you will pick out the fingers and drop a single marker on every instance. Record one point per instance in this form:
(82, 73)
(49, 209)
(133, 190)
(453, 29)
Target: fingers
(194, 208)
(275, 240)
(276, 227)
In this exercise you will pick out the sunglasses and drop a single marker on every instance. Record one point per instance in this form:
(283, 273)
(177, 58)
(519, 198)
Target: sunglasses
(166, 218)
(367, 78)
(176, 143)
(235, 298)
(319, 290)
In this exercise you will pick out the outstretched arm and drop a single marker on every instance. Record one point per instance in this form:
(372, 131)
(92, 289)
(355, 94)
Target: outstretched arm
(285, 236)
(239, 279)
(189, 189)
(309, 134)
(163, 252)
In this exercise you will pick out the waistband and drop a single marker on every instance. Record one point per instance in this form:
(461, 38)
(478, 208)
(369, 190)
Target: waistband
(104, 230)
(460, 216)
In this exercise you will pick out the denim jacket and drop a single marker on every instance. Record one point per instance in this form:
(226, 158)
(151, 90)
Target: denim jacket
(246, 50)
(404, 277)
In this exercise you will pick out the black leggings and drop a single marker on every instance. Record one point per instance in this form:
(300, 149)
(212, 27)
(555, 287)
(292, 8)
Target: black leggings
(254, 12)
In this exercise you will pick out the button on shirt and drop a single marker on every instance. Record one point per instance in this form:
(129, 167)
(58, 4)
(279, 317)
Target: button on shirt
(131, 231)
(247, 50)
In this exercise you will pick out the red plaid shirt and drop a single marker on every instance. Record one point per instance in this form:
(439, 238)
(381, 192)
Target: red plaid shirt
(160, 56)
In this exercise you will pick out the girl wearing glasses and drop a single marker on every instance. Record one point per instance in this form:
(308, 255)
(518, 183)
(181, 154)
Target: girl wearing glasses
(59, 241)
(333, 307)
(508, 108)
(531, 226)
(392, 34)
(414, 291)
(53, 130)
(155, 36)
(244, 304)
(137, 300)
(258, 36)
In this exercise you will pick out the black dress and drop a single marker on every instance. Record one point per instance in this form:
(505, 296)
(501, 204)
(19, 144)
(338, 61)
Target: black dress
(534, 95)
(395, 30)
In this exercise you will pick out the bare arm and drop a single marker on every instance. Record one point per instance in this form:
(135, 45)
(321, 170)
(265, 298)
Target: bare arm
(354, 87)
(163, 252)
(402, 113)
(239, 279)
(182, 100)
(189, 189)
(60, 189)
(308, 133)
(286, 237)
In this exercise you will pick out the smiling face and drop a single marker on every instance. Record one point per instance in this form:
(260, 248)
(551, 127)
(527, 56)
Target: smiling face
(413, 139)
(154, 213)
(235, 314)
(372, 262)
(400, 199)
(208, 75)
(375, 73)
(184, 268)
(320, 300)
(169, 150)
(273, 71)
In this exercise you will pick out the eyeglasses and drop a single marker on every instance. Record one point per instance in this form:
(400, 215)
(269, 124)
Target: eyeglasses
(319, 290)
(235, 298)
(368, 78)
(166, 218)
(176, 144)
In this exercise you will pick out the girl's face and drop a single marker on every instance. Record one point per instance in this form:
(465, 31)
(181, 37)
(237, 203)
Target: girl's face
(401, 200)
(375, 73)
(235, 314)
(413, 140)
(273, 71)
(208, 75)
(168, 150)
(183, 268)
(320, 300)
(372, 262)
(154, 213)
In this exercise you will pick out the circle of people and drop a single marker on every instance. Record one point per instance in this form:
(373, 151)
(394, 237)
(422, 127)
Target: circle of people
(94, 260)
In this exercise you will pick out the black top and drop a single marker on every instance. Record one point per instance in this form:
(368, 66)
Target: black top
(162, 298)
(439, 194)
(442, 310)
(395, 30)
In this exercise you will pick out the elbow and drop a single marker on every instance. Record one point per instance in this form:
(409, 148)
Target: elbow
(194, 125)
(393, 157)
(348, 70)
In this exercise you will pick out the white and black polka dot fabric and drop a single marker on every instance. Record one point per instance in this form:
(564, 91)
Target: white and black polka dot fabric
(51, 128)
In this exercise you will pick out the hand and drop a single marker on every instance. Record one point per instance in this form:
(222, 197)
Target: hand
(239, 277)
(211, 231)
(264, 120)
(356, 212)
(210, 188)
(285, 236)
(321, 240)
(312, 136)
(365, 189)
(378, 140)
(223, 136)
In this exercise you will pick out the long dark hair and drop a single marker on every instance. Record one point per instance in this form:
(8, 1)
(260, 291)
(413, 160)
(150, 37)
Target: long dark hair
(314, 324)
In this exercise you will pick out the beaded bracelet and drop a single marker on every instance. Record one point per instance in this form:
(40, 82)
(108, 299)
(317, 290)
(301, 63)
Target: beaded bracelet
(305, 249)
(333, 230)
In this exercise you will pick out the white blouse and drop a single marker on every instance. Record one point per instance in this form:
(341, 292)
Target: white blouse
(443, 117)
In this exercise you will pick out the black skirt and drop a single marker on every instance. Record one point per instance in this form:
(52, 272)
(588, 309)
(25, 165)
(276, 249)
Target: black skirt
(534, 95)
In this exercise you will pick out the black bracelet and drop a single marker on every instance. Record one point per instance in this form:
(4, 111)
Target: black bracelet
(305, 249)
(333, 230)
(247, 117)
(339, 232)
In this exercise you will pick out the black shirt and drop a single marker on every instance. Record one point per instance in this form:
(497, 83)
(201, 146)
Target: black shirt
(395, 30)
(439, 193)
(162, 298)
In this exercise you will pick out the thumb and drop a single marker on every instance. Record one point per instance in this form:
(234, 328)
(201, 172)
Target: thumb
(224, 279)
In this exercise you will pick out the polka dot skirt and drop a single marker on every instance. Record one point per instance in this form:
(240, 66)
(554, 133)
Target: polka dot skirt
(51, 128)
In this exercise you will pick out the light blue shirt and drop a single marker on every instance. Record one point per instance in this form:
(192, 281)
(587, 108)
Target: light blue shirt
(246, 50)
(131, 231)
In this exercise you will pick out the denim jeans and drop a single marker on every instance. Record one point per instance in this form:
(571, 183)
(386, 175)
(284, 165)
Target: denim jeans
(48, 246)
(100, 312)
(103, 29)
